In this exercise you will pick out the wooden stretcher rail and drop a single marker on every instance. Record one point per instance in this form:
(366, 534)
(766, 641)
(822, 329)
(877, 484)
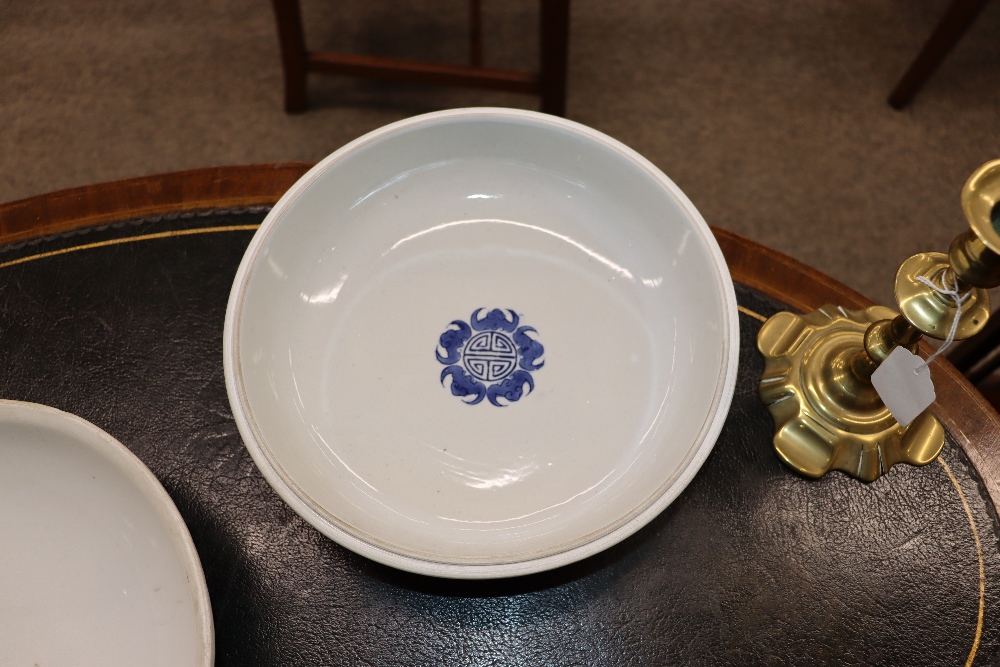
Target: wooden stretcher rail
(398, 69)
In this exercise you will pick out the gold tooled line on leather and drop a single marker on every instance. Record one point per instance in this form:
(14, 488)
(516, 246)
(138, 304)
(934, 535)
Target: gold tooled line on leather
(747, 311)
(972, 524)
(982, 569)
(130, 239)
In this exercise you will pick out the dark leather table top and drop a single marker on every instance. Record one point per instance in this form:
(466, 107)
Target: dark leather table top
(752, 565)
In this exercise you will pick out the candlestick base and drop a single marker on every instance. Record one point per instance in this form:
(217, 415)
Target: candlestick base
(826, 417)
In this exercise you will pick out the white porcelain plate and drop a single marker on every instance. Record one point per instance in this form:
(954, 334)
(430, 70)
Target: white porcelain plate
(96, 565)
(481, 343)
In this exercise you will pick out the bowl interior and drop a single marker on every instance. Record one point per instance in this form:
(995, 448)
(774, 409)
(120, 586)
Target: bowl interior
(98, 567)
(499, 221)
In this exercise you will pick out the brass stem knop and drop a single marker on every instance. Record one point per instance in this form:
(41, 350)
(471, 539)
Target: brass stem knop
(973, 262)
(881, 338)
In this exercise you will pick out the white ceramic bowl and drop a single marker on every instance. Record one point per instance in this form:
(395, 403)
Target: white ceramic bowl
(96, 565)
(481, 343)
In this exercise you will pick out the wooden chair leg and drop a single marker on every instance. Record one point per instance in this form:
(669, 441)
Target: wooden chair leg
(293, 53)
(554, 49)
(956, 20)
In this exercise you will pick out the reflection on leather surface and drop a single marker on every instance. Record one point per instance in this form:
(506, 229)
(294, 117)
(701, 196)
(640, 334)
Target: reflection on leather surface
(751, 565)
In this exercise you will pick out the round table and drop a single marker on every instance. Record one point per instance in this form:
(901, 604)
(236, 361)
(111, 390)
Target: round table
(112, 299)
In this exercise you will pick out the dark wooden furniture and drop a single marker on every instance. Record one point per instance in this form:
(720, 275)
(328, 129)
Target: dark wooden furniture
(112, 298)
(956, 20)
(549, 82)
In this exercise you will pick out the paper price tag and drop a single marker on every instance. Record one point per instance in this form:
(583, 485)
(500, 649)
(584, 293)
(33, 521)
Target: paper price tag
(904, 384)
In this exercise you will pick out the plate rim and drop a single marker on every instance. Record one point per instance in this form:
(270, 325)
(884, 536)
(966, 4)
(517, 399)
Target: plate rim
(630, 522)
(135, 472)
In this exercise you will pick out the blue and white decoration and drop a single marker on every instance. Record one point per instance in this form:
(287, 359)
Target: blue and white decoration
(490, 357)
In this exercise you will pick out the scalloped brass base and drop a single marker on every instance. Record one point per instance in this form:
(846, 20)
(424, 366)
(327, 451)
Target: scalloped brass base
(825, 417)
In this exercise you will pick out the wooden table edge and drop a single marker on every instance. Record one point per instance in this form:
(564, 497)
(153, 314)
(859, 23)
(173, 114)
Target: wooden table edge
(175, 192)
(969, 418)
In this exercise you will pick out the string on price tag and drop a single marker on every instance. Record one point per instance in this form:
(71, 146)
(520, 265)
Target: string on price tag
(959, 300)
(903, 380)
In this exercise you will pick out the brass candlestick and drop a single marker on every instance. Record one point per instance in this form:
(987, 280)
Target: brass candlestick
(818, 367)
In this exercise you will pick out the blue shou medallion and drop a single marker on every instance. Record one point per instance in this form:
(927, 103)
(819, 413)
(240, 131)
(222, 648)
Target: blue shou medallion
(489, 357)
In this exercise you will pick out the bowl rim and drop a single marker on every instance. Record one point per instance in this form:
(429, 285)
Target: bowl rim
(133, 471)
(632, 521)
